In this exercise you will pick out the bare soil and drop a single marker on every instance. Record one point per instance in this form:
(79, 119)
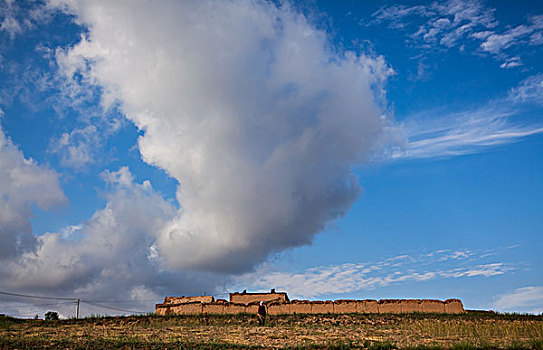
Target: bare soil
(373, 331)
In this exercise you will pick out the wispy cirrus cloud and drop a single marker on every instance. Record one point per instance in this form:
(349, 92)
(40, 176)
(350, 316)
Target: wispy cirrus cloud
(524, 34)
(349, 278)
(444, 134)
(530, 90)
(446, 22)
(462, 133)
(455, 22)
(9, 23)
(16, 17)
(511, 62)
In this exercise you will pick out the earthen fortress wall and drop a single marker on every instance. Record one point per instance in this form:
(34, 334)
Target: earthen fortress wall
(392, 306)
(183, 300)
(246, 298)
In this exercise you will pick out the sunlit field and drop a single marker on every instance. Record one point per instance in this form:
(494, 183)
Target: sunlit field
(423, 331)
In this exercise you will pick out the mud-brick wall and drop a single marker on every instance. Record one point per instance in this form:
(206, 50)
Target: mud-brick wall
(390, 306)
(235, 308)
(345, 306)
(454, 306)
(161, 311)
(213, 308)
(410, 306)
(368, 306)
(383, 306)
(254, 297)
(276, 308)
(182, 300)
(252, 308)
(187, 309)
(179, 309)
(300, 307)
(322, 307)
(436, 306)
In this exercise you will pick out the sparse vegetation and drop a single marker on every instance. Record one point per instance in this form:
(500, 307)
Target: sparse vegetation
(51, 316)
(348, 331)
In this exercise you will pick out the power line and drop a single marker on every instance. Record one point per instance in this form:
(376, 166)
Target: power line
(113, 308)
(75, 299)
(22, 313)
(36, 296)
(37, 310)
(40, 305)
(119, 301)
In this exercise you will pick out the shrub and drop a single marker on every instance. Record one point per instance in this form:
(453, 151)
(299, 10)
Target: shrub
(51, 316)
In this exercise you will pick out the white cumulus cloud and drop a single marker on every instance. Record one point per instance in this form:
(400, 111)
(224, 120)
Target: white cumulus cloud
(23, 184)
(107, 257)
(247, 105)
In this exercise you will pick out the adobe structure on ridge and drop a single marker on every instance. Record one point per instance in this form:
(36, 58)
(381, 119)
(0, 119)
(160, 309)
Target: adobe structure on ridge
(278, 303)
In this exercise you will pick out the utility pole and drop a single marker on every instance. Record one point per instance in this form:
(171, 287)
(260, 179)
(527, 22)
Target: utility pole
(77, 309)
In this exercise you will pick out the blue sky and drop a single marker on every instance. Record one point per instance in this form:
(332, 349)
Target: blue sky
(351, 149)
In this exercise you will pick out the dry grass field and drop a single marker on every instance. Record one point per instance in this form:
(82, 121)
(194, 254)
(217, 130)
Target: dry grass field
(475, 330)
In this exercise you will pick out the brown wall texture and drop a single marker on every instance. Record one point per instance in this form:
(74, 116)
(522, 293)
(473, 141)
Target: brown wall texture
(396, 306)
(247, 298)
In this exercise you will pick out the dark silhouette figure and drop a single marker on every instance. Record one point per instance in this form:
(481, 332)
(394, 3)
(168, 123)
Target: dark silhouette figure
(261, 313)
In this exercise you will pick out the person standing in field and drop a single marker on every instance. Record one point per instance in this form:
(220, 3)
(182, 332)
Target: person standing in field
(261, 313)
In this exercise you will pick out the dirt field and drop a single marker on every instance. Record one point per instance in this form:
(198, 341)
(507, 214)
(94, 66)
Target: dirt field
(422, 331)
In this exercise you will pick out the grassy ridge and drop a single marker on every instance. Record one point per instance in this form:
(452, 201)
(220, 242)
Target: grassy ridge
(370, 331)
